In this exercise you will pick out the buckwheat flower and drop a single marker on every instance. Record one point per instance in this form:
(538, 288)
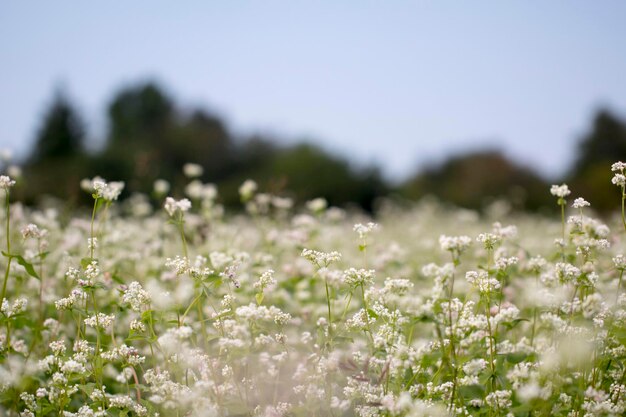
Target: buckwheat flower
(580, 203)
(192, 170)
(475, 366)
(499, 399)
(398, 286)
(505, 232)
(281, 318)
(620, 262)
(566, 272)
(356, 277)
(76, 296)
(179, 264)
(481, 281)
(73, 367)
(33, 231)
(227, 301)
(131, 355)
(619, 180)
(320, 259)
(136, 296)
(6, 182)
(359, 321)
(247, 190)
(363, 230)
(282, 203)
(230, 273)
(503, 263)
(173, 206)
(455, 244)
(113, 190)
(137, 326)
(317, 205)
(92, 243)
(161, 187)
(29, 400)
(72, 273)
(98, 185)
(560, 191)
(618, 166)
(489, 240)
(19, 306)
(101, 320)
(265, 280)
(91, 274)
(58, 347)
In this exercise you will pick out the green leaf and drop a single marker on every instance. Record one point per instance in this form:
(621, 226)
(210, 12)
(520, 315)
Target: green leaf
(85, 262)
(516, 357)
(472, 391)
(372, 313)
(27, 266)
(259, 298)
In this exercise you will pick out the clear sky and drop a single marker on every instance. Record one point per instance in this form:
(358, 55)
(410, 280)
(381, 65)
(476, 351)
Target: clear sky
(398, 83)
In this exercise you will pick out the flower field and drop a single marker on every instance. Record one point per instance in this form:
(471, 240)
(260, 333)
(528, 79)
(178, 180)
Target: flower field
(188, 310)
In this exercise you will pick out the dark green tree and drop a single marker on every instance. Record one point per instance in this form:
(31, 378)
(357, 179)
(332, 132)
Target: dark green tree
(57, 161)
(590, 175)
(473, 180)
(62, 133)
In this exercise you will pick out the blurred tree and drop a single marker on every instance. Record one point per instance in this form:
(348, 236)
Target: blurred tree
(472, 180)
(57, 160)
(590, 175)
(62, 132)
(141, 118)
(306, 171)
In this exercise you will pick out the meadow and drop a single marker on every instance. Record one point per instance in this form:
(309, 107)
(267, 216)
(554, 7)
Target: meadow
(278, 310)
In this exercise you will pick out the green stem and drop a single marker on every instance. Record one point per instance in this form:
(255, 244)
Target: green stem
(330, 321)
(91, 234)
(623, 208)
(619, 285)
(181, 229)
(8, 222)
(563, 230)
(367, 316)
(345, 310)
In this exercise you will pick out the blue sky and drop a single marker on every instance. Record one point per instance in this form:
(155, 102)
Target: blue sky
(397, 83)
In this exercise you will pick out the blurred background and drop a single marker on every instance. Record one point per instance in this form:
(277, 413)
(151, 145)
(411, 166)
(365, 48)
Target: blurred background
(353, 100)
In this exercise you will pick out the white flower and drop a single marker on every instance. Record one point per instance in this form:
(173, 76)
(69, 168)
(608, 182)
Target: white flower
(265, 280)
(136, 296)
(454, 243)
(560, 191)
(161, 186)
(317, 205)
(580, 203)
(320, 258)
(619, 180)
(172, 206)
(247, 189)
(364, 229)
(32, 230)
(489, 240)
(355, 277)
(18, 307)
(101, 189)
(618, 166)
(6, 182)
(192, 170)
(100, 320)
(481, 281)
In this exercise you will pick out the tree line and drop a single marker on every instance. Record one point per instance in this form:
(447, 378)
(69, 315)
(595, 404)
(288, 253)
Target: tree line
(151, 137)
